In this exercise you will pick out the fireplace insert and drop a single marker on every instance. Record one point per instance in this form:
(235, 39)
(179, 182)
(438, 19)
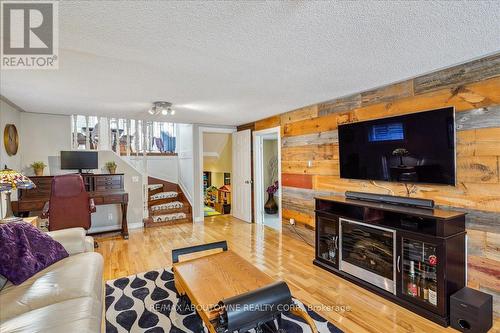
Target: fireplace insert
(368, 252)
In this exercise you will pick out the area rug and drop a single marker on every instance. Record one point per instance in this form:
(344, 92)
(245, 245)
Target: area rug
(209, 211)
(147, 302)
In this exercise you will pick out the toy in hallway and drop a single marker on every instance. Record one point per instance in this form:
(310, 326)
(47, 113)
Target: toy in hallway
(223, 204)
(210, 196)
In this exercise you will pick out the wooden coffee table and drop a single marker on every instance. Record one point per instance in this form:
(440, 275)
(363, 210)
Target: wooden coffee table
(209, 279)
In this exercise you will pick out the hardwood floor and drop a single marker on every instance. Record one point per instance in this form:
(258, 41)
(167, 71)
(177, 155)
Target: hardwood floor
(283, 256)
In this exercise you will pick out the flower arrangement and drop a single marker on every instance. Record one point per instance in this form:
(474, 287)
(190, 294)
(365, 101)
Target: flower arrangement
(273, 188)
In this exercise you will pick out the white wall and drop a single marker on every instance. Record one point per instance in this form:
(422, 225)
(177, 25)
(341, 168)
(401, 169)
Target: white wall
(222, 160)
(161, 167)
(43, 137)
(185, 137)
(269, 152)
(9, 115)
(109, 216)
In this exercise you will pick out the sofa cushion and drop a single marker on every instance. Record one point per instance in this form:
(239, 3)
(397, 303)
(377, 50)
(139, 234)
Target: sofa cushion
(3, 281)
(73, 277)
(81, 315)
(72, 239)
(25, 250)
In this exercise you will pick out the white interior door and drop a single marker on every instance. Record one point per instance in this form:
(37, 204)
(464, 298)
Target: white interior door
(242, 181)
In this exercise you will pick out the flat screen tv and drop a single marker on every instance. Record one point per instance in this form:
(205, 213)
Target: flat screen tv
(414, 148)
(79, 160)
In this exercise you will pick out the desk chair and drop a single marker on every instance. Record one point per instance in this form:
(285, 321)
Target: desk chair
(69, 205)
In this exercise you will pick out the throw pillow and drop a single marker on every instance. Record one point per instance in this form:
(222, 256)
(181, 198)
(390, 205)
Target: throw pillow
(25, 250)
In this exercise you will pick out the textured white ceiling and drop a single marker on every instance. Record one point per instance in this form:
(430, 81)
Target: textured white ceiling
(235, 62)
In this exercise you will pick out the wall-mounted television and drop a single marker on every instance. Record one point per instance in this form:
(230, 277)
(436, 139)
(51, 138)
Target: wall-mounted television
(413, 148)
(79, 160)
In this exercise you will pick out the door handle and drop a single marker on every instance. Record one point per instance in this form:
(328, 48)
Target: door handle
(337, 242)
(397, 264)
(248, 182)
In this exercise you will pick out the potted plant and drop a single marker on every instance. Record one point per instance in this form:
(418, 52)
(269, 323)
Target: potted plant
(38, 167)
(111, 166)
(271, 207)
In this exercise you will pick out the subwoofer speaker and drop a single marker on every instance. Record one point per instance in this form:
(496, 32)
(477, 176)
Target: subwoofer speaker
(471, 311)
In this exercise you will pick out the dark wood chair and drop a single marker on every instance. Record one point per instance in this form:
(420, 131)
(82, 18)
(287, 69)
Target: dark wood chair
(70, 205)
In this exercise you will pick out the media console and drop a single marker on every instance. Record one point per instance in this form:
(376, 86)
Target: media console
(414, 257)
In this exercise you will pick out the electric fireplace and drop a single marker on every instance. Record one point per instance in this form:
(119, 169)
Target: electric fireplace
(368, 252)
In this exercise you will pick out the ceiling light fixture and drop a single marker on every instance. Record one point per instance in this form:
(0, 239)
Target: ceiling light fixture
(164, 108)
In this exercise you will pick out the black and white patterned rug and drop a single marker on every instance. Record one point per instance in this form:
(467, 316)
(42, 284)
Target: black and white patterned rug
(147, 302)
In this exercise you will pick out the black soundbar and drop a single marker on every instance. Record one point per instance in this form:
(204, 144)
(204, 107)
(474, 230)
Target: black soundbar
(391, 199)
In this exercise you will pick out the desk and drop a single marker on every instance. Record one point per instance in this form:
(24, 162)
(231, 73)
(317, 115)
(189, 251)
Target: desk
(111, 198)
(105, 189)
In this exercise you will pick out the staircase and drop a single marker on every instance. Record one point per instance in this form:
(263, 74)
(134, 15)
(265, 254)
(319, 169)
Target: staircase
(167, 204)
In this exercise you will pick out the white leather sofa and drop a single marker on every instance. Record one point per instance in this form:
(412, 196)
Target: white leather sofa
(65, 297)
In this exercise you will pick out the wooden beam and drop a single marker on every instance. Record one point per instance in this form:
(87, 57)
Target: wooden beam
(477, 219)
(484, 271)
(489, 90)
(250, 126)
(474, 71)
(305, 207)
(320, 124)
(387, 93)
(340, 104)
(478, 142)
(299, 217)
(268, 123)
(486, 117)
(304, 113)
(478, 169)
(296, 180)
(329, 137)
(324, 167)
(310, 152)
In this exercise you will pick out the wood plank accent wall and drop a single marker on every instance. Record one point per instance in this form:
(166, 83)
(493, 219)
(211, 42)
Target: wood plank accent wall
(473, 88)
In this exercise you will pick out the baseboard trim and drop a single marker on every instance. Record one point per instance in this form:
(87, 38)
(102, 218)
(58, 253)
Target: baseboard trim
(186, 193)
(135, 225)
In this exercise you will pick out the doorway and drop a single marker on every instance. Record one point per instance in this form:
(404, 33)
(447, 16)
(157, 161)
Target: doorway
(217, 173)
(267, 167)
